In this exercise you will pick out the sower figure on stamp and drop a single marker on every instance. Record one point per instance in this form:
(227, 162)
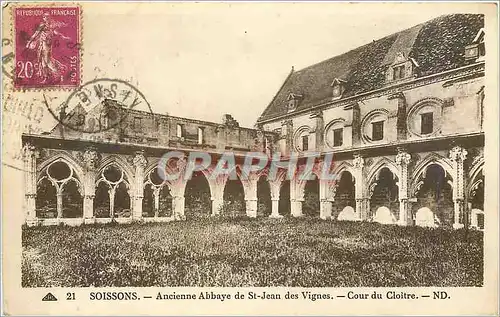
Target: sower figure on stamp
(41, 41)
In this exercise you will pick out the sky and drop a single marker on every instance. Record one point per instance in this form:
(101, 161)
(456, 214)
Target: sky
(204, 60)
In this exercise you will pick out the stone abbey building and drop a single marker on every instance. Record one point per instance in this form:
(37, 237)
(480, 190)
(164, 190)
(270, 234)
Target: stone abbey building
(402, 115)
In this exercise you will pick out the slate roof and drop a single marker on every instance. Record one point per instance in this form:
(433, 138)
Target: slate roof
(436, 45)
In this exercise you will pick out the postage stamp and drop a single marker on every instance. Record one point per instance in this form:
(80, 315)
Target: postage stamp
(47, 47)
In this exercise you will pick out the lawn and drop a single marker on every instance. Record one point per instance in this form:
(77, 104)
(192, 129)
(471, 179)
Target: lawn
(251, 252)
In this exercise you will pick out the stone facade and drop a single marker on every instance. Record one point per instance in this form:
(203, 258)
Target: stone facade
(408, 147)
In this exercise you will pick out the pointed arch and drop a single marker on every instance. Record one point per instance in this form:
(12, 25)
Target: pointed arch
(476, 168)
(276, 183)
(264, 195)
(384, 162)
(152, 164)
(344, 192)
(173, 186)
(433, 192)
(235, 192)
(46, 202)
(64, 157)
(120, 162)
(77, 182)
(383, 192)
(72, 198)
(342, 167)
(41, 179)
(302, 181)
(475, 187)
(420, 169)
(198, 195)
(205, 174)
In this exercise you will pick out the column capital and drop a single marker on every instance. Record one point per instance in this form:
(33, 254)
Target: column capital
(358, 161)
(317, 114)
(90, 158)
(30, 151)
(458, 154)
(139, 159)
(403, 158)
(398, 95)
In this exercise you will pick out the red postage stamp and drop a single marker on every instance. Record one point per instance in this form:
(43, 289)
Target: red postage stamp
(47, 47)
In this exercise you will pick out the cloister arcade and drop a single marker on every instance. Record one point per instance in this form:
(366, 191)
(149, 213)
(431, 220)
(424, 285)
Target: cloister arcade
(426, 189)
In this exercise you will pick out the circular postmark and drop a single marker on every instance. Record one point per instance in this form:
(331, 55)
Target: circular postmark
(8, 66)
(99, 105)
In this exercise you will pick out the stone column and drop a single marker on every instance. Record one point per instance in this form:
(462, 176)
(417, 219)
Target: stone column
(403, 160)
(401, 115)
(296, 198)
(458, 156)
(326, 194)
(250, 187)
(220, 130)
(362, 203)
(275, 187)
(480, 106)
(251, 206)
(217, 189)
(356, 124)
(296, 207)
(112, 202)
(287, 127)
(275, 208)
(318, 116)
(59, 203)
(140, 163)
(178, 204)
(217, 204)
(90, 161)
(362, 208)
(156, 196)
(88, 209)
(30, 156)
(458, 213)
(325, 211)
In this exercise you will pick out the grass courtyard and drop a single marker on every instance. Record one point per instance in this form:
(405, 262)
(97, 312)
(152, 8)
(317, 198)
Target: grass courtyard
(251, 252)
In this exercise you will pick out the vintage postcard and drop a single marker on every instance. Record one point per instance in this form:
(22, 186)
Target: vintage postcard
(272, 158)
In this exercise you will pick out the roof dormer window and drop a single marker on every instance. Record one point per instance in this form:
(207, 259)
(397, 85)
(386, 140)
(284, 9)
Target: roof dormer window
(338, 87)
(398, 72)
(476, 50)
(293, 101)
(401, 68)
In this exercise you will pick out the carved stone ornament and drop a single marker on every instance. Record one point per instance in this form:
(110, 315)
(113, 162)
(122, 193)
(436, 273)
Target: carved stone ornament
(29, 150)
(458, 153)
(140, 160)
(403, 158)
(358, 162)
(181, 163)
(90, 158)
